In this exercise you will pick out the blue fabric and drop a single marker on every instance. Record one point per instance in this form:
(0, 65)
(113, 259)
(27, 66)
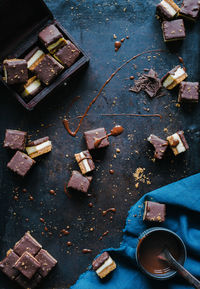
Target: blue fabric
(183, 217)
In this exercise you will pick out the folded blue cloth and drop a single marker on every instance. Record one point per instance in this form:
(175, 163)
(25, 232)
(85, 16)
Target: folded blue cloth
(183, 217)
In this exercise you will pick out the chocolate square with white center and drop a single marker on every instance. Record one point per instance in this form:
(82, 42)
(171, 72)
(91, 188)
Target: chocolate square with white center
(103, 265)
(68, 54)
(178, 142)
(15, 71)
(29, 284)
(39, 147)
(47, 262)
(47, 69)
(174, 77)
(32, 87)
(79, 183)
(190, 9)
(154, 212)
(167, 9)
(159, 144)
(27, 265)
(85, 162)
(27, 244)
(34, 57)
(15, 139)
(6, 265)
(188, 92)
(20, 163)
(92, 135)
(173, 30)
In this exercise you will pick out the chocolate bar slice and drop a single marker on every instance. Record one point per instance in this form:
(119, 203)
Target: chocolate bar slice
(15, 71)
(78, 182)
(167, 9)
(29, 284)
(27, 243)
(154, 212)
(52, 38)
(15, 139)
(190, 9)
(47, 69)
(173, 30)
(27, 265)
(178, 142)
(31, 88)
(34, 57)
(85, 162)
(7, 265)
(188, 92)
(39, 147)
(92, 135)
(159, 144)
(103, 265)
(20, 163)
(47, 262)
(174, 77)
(68, 54)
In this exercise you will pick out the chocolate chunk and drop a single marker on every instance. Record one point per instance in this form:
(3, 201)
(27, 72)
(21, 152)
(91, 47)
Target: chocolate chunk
(20, 163)
(34, 57)
(29, 284)
(68, 54)
(92, 135)
(6, 265)
(154, 212)
(190, 9)
(47, 262)
(49, 35)
(173, 30)
(159, 144)
(173, 77)
(27, 244)
(188, 92)
(32, 87)
(78, 182)
(15, 71)
(98, 262)
(85, 162)
(15, 139)
(39, 147)
(178, 143)
(27, 265)
(38, 141)
(167, 9)
(47, 69)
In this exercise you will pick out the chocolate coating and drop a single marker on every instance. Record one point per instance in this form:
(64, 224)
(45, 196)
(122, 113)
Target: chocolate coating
(15, 139)
(159, 144)
(78, 182)
(188, 92)
(173, 30)
(68, 54)
(16, 71)
(27, 265)
(27, 243)
(6, 265)
(190, 9)
(49, 35)
(154, 212)
(20, 163)
(47, 262)
(98, 262)
(38, 141)
(117, 130)
(92, 135)
(183, 139)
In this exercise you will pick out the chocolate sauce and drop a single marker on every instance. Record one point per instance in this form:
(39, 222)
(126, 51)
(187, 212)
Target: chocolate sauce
(64, 232)
(90, 205)
(127, 37)
(42, 220)
(181, 60)
(66, 121)
(111, 172)
(117, 45)
(103, 235)
(31, 198)
(66, 191)
(46, 229)
(122, 40)
(86, 251)
(150, 247)
(109, 210)
(117, 130)
(52, 192)
(69, 243)
(132, 77)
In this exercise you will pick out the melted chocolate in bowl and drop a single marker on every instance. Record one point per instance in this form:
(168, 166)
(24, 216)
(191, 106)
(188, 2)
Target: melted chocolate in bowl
(152, 245)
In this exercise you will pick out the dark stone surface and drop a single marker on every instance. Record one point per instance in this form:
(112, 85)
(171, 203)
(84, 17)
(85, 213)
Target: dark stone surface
(92, 24)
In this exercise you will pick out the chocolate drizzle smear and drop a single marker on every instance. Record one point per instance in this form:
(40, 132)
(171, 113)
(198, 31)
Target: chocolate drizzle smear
(115, 131)
(113, 210)
(66, 121)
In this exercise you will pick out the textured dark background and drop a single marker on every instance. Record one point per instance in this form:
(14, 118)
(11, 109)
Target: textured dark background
(92, 24)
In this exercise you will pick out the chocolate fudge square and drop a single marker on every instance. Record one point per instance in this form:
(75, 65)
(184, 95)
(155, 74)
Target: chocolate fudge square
(27, 244)
(47, 69)
(20, 163)
(47, 262)
(190, 9)
(85, 162)
(154, 212)
(68, 54)
(92, 135)
(27, 265)
(6, 265)
(103, 265)
(78, 182)
(15, 139)
(15, 71)
(29, 284)
(188, 92)
(33, 57)
(173, 30)
(159, 144)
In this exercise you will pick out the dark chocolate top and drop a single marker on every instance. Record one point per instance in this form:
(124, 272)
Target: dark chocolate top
(27, 243)
(79, 182)
(20, 163)
(27, 265)
(68, 54)
(189, 91)
(159, 144)
(190, 8)
(15, 139)
(182, 137)
(92, 135)
(98, 262)
(49, 35)
(47, 262)
(173, 29)
(17, 71)
(38, 141)
(6, 265)
(154, 212)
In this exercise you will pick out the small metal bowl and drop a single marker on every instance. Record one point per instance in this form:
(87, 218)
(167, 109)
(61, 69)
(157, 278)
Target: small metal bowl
(183, 253)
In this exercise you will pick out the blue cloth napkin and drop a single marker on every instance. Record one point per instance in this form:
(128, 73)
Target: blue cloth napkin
(183, 217)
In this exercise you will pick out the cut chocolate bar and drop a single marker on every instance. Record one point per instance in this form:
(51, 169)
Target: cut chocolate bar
(167, 9)
(31, 88)
(154, 212)
(6, 265)
(173, 30)
(78, 182)
(190, 9)
(188, 92)
(27, 265)
(68, 54)
(103, 265)
(47, 262)
(29, 284)
(178, 142)
(27, 243)
(15, 71)
(85, 162)
(20, 163)
(39, 147)
(34, 57)
(15, 139)
(47, 69)
(92, 135)
(174, 77)
(159, 144)
(52, 38)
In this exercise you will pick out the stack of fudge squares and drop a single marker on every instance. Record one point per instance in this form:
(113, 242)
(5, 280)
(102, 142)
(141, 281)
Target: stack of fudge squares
(27, 263)
(42, 64)
(22, 162)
